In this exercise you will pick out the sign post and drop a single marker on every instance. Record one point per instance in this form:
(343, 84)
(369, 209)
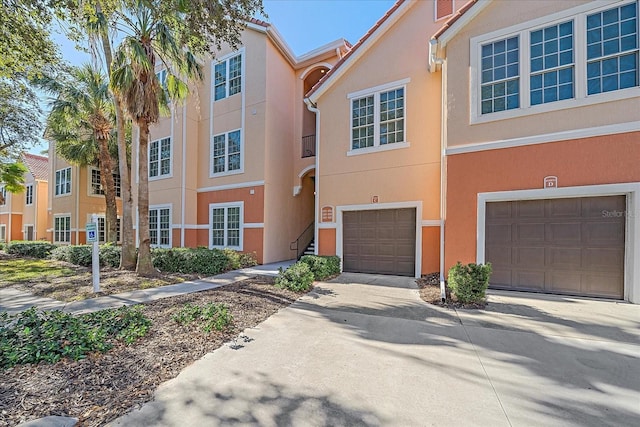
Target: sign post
(92, 237)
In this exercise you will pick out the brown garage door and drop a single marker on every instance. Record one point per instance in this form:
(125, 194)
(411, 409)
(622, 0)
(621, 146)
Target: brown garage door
(569, 246)
(380, 241)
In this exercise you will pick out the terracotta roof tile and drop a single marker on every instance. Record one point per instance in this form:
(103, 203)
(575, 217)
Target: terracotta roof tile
(454, 18)
(356, 46)
(37, 165)
(259, 22)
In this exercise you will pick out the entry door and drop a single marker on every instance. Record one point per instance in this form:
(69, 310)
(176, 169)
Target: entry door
(28, 232)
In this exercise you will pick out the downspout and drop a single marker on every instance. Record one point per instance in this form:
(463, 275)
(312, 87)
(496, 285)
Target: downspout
(434, 61)
(316, 193)
(184, 167)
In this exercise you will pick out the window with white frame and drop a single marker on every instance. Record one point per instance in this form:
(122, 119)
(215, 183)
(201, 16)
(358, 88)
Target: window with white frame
(378, 119)
(62, 229)
(28, 195)
(226, 226)
(102, 229)
(162, 78)
(226, 152)
(63, 181)
(3, 192)
(96, 183)
(576, 55)
(227, 77)
(160, 158)
(3, 232)
(160, 226)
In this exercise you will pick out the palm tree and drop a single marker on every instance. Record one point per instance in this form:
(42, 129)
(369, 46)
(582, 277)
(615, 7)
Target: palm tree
(149, 39)
(81, 124)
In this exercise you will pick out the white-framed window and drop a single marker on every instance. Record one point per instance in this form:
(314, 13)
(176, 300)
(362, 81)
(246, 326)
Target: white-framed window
(378, 117)
(3, 192)
(102, 229)
(581, 56)
(227, 77)
(62, 229)
(63, 181)
(160, 158)
(160, 226)
(226, 225)
(28, 194)
(226, 153)
(95, 185)
(3, 232)
(162, 78)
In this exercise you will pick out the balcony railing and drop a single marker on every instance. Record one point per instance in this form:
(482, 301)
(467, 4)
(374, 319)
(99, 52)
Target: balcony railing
(308, 146)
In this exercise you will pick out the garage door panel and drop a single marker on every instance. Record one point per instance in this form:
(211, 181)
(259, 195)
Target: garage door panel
(583, 246)
(530, 232)
(605, 232)
(534, 257)
(380, 241)
(564, 258)
(529, 209)
(529, 279)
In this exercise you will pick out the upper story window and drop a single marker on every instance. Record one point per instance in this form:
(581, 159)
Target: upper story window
(500, 75)
(162, 78)
(96, 183)
(575, 56)
(552, 65)
(28, 195)
(3, 195)
(63, 181)
(226, 153)
(378, 117)
(160, 158)
(227, 76)
(612, 49)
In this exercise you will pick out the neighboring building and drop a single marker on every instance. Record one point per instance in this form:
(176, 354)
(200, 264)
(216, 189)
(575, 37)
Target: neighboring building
(75, 195)
(542, 144)
(378, 170)
(234, 166)
(23, 216)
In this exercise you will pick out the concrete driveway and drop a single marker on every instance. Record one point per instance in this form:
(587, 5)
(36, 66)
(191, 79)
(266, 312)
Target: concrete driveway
(365, 350)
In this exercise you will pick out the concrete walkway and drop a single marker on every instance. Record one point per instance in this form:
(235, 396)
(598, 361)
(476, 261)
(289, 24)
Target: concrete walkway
(14, 301)
(365, 350)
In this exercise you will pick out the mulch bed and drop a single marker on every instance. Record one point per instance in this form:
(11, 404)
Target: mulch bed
(429, 286)
(102, 387)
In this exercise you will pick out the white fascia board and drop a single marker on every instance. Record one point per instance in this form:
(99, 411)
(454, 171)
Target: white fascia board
(452, 31)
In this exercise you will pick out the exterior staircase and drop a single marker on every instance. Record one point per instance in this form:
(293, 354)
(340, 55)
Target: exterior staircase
(310, 250)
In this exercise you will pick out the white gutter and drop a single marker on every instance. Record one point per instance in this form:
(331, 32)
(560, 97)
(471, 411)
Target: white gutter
(316, 194)
(184, 168)
(434, 61)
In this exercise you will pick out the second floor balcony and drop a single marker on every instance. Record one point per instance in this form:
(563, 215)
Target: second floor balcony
(308, 146)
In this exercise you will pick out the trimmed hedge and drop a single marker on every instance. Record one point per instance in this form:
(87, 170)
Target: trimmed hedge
(469, 282)
(322, 267)
(81, 255)
(32, 249)
(200, 260)
(297, 278)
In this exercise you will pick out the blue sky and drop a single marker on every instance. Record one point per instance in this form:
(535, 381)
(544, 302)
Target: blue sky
(304, 24)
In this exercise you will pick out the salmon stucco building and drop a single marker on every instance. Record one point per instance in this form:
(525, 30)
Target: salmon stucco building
(379, 172)
(542, 140)
(23, 216)
(234, 166)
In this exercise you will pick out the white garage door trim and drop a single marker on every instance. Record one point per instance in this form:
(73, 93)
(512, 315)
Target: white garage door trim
(632, 238)
(379, 206)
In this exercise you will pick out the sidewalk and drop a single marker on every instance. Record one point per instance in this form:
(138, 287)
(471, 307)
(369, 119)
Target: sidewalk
(15, 301)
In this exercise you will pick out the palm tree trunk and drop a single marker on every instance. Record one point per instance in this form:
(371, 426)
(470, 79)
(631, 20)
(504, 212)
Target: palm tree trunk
(145, 264)
(106, 178)
(128, 256)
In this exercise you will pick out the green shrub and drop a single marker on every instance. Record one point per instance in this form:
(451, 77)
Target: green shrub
(34, 336)
(188, 260)
(3, 246)
(30, 248)
(239, 259)
(322, 266)
(469, 282)
(297, 278)
(109, 255)
(212, 316)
